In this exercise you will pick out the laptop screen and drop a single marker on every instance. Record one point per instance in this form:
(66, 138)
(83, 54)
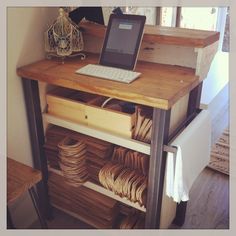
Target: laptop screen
(122, 41)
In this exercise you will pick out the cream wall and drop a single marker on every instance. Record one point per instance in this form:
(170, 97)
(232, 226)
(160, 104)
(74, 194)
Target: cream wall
(25, 27)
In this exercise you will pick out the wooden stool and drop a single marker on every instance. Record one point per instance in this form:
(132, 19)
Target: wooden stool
(22, 178)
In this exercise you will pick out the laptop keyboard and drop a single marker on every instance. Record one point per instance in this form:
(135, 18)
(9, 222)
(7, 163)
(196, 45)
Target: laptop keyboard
(110, 73)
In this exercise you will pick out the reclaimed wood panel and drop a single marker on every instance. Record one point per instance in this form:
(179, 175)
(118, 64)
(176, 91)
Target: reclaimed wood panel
(163, 35)
(159, 86)
(94, 208)
(151, 52)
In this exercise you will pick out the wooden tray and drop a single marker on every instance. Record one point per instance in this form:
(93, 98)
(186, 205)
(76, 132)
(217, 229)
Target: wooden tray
(85, 108)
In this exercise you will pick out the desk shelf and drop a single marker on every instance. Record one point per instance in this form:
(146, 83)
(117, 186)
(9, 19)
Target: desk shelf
(118, 140)
(162, 35)
(105, 192)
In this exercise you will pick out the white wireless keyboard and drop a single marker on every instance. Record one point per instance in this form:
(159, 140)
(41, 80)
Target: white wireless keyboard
(110, 73)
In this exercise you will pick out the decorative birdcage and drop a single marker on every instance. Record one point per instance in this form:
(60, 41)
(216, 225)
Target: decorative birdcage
(63, 38)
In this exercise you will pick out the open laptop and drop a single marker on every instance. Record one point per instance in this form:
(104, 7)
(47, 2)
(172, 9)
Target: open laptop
(120, 49)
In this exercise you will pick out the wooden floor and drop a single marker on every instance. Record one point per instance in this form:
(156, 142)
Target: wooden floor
(208, 207)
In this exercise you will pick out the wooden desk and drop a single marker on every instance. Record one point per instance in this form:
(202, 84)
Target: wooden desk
(160, 86)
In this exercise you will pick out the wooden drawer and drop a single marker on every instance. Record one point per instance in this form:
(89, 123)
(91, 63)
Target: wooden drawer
(85, 108)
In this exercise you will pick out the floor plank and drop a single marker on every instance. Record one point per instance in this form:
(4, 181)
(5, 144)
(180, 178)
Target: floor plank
(208, 207)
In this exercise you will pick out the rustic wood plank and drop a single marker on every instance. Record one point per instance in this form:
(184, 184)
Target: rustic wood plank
(159, 86)
(96, 209)
(163, 35)
(166, 54)
(152, 52)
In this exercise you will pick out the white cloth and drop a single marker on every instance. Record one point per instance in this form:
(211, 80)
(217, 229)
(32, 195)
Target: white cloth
(193, 154)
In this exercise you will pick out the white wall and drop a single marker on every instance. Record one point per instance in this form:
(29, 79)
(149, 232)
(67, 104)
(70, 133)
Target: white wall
(25, 27)
(217, 79)
(215, 93)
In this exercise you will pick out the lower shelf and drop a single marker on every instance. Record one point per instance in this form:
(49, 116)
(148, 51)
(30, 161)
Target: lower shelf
(105, 192)
(96, 133)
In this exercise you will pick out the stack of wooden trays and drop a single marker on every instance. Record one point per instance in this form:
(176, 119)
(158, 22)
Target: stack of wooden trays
(90, 206)
(126, 175)
(131, 159)
(143, 124)
(54, 136)
(97, 151)
(72, 155)
(94, 165)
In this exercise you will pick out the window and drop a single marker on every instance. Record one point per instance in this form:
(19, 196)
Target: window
(204, 18)
(167, 16)
(226, 39)
(149, 12)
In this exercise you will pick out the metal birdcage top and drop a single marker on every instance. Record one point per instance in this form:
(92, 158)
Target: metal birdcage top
(63, 38)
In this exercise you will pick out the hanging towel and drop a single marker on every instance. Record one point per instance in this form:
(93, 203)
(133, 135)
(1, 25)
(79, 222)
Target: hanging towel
(193, 155)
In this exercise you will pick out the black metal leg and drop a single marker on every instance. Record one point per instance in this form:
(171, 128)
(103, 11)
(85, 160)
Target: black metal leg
(161, 121)
(180, 214)
(10, 224)
(35, 123)
(35, 200)
(194, 99)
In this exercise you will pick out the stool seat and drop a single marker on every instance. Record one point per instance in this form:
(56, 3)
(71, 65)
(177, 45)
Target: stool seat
(20, 178)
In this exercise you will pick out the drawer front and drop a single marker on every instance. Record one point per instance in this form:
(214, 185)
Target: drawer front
(112, 121)
(67, 109)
